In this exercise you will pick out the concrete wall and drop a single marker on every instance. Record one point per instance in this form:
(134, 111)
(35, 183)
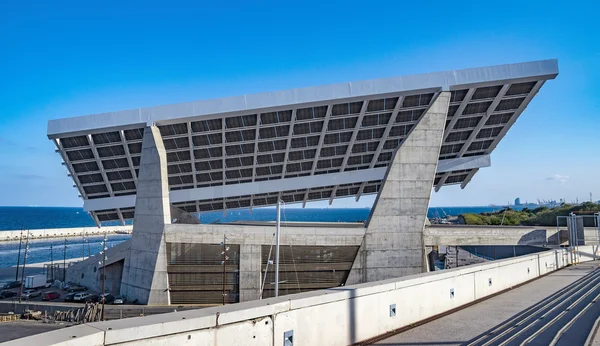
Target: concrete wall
(64, 232)
(92, 278)
(501, 235)
(339, 316)
(252, 237)
(263, 235)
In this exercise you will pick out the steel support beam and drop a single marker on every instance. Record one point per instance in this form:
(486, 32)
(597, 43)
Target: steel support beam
(193, 161)
(468, 178)
(319, 146)
(289, 143)
(516, 115)
(223, 140)
(128, 154)
(268, 186)
(120, 217)
(458, 114)
(483, 120)
(254, 163)
(99, 163)
(357, 127)
(70, 169)
(192, 158)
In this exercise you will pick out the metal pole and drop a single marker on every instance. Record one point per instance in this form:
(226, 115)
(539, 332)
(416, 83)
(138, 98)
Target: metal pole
(103, 273)
(598, 225)
(19, 256)
(572, 238)
(224, 260)
(277, 225)
(24, 264)
(573, 230)
(576, 238)
(82, 245)
(51, 262)
(65, 261)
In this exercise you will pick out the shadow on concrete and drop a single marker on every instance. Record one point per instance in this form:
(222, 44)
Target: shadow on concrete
(497, 252)
(352, 318)
(562, 236)
(587, 254)
(535, 237)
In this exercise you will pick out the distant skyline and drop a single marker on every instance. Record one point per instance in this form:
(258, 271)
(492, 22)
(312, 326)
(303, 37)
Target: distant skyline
(80, 58)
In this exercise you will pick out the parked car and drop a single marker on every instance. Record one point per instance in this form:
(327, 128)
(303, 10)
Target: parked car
(84, 297)
(77, 288)
(7, 294)
(28, 294)
(69, 297)
(107, 298)
(119, 300)
(66, 286)
(50, 295)
(10, 285)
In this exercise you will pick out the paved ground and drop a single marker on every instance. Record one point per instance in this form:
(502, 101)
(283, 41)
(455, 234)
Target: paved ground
(23, 328)
(517, 312)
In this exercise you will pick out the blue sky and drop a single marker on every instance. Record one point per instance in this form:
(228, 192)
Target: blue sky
(69, 58)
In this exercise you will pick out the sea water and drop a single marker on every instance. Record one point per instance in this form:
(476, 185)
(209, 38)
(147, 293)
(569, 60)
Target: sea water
(15, 218)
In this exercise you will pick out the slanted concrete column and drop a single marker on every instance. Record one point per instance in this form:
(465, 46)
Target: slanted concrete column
(250, 272)
(393, 244)
(145, 272)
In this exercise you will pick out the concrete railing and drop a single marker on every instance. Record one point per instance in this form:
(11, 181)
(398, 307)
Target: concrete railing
(63, 232)
(339, 316)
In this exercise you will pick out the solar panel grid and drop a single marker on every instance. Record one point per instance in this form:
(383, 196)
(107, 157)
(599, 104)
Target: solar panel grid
(348, 140)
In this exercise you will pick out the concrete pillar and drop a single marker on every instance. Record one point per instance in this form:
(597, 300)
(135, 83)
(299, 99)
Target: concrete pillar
(393, 244)
(250, 272)
(145, 271)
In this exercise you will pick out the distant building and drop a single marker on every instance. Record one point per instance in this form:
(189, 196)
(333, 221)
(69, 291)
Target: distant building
(517, 201)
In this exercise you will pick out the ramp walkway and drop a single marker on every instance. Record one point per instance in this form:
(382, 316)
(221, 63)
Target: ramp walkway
(558, 309)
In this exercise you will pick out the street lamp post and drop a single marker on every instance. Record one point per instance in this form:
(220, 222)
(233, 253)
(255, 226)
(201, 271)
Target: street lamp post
(51, 262)
(19, 255)
(277, 226)
(103, 262)
(65, 262)
(223, 262)
(24, 264)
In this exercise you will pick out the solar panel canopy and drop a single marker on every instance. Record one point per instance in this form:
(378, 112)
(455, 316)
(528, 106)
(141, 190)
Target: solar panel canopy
(318, 143)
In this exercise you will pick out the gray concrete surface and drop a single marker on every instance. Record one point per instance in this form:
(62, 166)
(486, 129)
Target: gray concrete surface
(467, 324)
(19, 329)
(393, 244)
(503, 235)
(145, 268)
(89, 272)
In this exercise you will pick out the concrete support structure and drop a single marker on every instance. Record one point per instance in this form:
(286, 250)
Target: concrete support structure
(145, 270)
(393, 243)
(250, 272)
